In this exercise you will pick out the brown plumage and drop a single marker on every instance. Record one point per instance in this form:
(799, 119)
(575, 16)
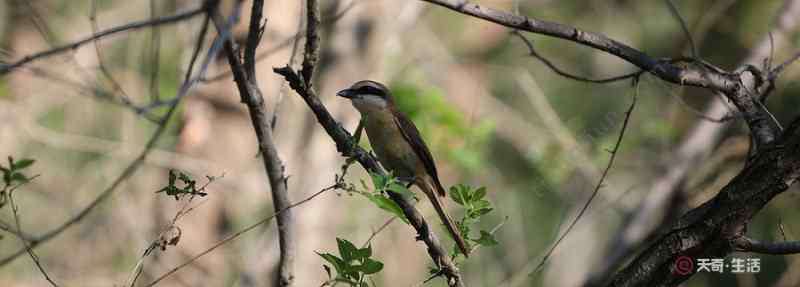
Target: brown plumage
(399, 146)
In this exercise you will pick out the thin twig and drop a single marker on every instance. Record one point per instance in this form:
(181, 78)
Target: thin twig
(117, 88)
(4, 69)
(560, 72)
(747, 244)
(239, 233)
(28, 248)
(599, 184)
(675, 13)
(155, 55)
(777, 70)
(161, 241)
(379, 230)
(136, 163)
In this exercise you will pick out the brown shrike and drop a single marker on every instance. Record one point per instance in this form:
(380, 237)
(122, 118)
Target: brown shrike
(399, 146)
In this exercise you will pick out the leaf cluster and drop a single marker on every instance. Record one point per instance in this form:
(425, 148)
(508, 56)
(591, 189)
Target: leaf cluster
(189, 185)
(13, 177)
(475, 206)
(352, 266)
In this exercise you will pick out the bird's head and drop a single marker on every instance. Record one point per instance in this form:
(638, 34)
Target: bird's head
(368, 96)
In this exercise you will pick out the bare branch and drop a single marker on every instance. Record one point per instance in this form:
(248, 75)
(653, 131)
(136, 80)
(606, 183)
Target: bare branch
(675, 13)
(136, 163)
(709, 230)
(700, 74)
(561, 72)
(599, 184)
(345, 144)
(28, 248)
(312, 41)
(6, 68)
(239, 233)
(244, 75)
(747, 244)
(777, 70)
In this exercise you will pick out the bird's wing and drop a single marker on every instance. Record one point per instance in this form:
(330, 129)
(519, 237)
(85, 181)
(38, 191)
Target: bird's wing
(412, 136)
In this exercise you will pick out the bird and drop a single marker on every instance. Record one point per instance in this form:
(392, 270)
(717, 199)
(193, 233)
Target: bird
(399, 146)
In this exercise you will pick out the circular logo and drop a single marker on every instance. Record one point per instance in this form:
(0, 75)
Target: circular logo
(683, 265)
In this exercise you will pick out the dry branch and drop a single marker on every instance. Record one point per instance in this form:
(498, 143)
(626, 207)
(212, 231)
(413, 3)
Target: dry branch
(710, 230)
(244, 75)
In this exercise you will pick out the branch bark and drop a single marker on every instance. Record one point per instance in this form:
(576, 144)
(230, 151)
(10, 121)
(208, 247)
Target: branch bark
(710, 230)
(747, 244)
(743, 87)
(6, 68)
(656, 207)
(302, 83)
(244, 75)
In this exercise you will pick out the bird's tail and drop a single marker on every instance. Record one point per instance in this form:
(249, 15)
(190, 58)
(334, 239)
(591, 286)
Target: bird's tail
(436, 200)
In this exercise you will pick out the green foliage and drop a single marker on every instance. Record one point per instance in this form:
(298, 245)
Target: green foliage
(13, 177)
(189, 185)
(353, 264)
(475, 207)
(436, 117)
(379, 198)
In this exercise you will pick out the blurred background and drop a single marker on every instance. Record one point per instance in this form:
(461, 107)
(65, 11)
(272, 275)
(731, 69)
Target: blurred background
(492, 115)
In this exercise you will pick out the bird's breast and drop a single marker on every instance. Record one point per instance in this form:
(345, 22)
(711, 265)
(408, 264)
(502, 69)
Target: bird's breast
(389, 144)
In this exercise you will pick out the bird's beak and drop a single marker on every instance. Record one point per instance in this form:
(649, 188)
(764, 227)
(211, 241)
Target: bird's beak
(346, 93)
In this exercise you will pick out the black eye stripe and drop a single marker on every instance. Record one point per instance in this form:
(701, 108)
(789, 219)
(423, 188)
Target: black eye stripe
(370, 90)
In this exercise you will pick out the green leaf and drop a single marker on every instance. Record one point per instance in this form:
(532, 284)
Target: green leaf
(400, 189)
(388, 205)
(479, 193)
(486, 239)
(184, 177)
(363, 252)
(479, 208)
(475, 213)
(23, 164)
(18, 177)
(337, 263)
(346, 249)
(371, 266)
(459, 194)
(379, 181)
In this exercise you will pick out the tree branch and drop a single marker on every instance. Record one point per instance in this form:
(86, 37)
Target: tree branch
(184, 89)
(747, 244)
(706, 231)
(711, 230)
(700, 74)
(301, 83)
(244, 75)
(6, 68)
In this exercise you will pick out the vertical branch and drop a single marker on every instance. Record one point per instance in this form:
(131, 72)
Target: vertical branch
(244, 75)
(312, 41)
(300, 82)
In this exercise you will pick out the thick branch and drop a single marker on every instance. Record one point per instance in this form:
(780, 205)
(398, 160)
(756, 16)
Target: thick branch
(657, 207)
(699, 74)
(711, 230)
